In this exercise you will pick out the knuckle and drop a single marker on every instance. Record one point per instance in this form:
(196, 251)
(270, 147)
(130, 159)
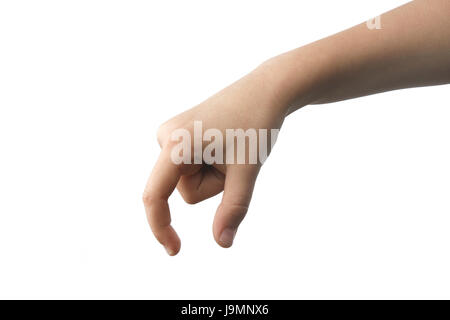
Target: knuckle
(162, 133)
(189, 197)
(147, 198)
(170, 144)
(235, 209)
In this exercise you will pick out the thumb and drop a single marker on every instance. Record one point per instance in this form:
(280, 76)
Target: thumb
(238, 189)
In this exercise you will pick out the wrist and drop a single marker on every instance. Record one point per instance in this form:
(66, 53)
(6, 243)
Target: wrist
(298, 77)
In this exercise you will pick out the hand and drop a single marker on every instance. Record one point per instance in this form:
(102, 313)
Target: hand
(353, 63)
(250, 103)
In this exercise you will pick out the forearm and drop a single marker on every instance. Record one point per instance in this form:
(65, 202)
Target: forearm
(411, 49)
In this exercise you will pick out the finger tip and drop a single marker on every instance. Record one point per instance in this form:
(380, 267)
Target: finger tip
(172, 243)
(226, 237)
(172, 251)
(224, 245)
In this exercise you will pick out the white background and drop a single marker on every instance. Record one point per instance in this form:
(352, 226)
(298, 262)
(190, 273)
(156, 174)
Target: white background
(353, 203)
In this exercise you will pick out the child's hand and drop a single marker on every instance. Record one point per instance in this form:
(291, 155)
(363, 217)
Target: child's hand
(409, 50)
(249, 103)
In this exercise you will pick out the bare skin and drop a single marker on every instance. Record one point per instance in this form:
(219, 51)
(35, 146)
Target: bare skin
(411, 49)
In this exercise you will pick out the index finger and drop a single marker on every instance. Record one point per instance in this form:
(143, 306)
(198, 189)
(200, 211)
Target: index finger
(160, 185)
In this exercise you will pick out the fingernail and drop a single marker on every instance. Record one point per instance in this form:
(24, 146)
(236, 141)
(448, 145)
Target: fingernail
(227, 237)
(170, 252)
